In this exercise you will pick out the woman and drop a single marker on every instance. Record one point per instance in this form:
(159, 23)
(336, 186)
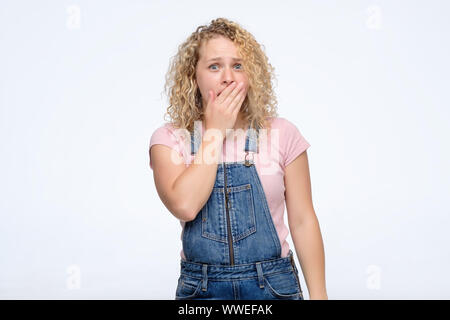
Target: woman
(225, 166)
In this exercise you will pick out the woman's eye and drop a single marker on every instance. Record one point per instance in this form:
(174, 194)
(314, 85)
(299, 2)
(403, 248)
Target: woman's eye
(215, 65)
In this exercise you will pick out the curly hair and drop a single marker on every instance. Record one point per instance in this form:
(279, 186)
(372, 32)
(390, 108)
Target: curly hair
(185, 103)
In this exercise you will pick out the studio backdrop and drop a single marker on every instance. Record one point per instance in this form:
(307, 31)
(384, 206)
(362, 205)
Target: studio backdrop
(81, 92)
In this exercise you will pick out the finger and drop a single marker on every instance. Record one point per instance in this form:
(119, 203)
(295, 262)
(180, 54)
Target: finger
(210, 98)
(238, 106)
(237, 101)
(232, 96)
(225, 92)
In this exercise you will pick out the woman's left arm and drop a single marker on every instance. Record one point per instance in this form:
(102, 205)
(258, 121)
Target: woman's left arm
(304, 226)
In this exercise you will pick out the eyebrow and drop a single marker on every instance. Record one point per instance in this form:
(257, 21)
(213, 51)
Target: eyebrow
(220, 58)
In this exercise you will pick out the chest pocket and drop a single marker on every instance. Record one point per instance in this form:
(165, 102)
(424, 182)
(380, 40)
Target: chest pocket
(241, 211)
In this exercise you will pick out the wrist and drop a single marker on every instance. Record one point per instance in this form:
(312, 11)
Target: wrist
(318, 296)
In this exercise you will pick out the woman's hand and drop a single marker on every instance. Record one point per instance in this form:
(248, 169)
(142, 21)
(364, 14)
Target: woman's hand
(221, 111)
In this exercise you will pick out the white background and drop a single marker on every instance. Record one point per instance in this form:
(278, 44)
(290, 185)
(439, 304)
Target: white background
(366, 83)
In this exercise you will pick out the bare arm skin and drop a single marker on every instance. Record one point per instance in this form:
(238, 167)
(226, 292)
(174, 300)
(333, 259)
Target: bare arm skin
(184, 191)
(304, 226)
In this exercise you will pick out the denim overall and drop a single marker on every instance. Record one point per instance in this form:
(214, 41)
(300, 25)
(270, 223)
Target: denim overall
(232, 248)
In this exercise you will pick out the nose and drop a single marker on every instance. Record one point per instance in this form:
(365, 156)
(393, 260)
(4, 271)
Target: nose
(227, 77)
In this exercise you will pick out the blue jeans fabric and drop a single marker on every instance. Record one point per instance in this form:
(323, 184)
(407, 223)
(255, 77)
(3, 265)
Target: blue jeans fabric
(232, 248)
(275, 279)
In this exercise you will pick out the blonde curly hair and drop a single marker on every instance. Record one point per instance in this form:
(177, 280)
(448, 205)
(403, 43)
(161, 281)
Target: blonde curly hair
(185, 103)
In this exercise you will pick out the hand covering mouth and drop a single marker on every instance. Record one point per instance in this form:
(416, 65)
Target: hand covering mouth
(218, 94)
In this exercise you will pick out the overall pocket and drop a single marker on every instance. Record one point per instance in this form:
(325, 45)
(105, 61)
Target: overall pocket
(188, 288)
(283, 286)
(241, 211)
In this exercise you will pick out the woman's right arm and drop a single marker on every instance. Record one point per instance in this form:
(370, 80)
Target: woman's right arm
(184, 191)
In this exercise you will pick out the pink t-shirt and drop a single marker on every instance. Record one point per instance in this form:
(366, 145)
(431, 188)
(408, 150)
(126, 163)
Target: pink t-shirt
(277, 148)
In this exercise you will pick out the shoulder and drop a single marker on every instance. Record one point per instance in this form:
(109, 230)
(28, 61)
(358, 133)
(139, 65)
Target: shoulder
(291, 142)
(167, 134)
(167, 130)
(280, 122)
(285, 127)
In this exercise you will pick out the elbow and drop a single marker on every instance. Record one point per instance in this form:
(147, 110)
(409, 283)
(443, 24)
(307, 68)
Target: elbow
(185, 212)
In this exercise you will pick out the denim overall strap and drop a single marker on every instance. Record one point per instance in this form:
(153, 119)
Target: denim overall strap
(196, 137)
(251, 144)
(251, 141)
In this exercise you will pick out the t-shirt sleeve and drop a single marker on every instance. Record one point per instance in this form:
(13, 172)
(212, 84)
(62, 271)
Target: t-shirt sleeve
(293, 143)
(163, 135)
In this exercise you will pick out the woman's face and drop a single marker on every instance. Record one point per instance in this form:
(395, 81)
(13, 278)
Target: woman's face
(219, 64)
